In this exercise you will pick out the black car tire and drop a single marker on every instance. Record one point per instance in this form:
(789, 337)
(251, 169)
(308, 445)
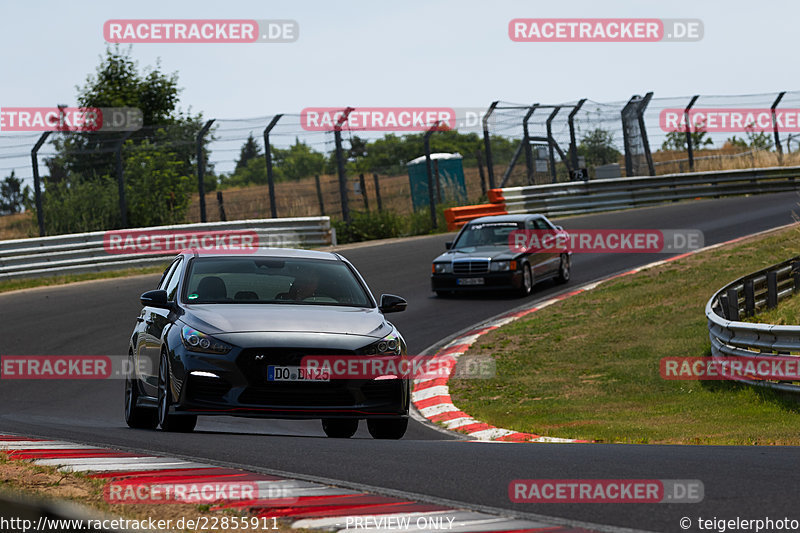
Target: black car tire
(340, 428)
(527, 280)
(563, 269)
(168, 422)
(137, 417)
(387, 428)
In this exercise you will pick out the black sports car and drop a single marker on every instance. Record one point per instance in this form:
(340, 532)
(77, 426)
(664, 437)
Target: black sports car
(482, 259)
(225, 335)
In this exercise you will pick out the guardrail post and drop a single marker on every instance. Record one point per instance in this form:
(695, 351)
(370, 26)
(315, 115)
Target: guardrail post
(550, 141)
(377, 191)
(689, 150)
(526, 138)
(733, 304)
(772, 289)
(201, 167)
(427, 145)
(37, 185)
(337, 133)
(778, 146)
(273, 208)
(487, 143)
(749, 298)
(796, 277)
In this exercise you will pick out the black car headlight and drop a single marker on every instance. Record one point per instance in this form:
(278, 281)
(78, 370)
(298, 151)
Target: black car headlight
(442, 268)
(389, 345)
(197, 341)
(503, 266)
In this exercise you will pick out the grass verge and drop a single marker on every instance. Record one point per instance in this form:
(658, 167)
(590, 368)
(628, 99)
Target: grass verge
(25, 480)
(588, 366)
(29, 283)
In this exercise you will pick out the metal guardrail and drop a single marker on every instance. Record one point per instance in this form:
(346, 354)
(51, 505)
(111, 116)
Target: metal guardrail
(623, 193)
(85, 252)
(744, 297)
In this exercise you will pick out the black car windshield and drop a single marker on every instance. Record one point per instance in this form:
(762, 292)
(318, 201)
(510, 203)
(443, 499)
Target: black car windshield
(486, 234)
(273, 280)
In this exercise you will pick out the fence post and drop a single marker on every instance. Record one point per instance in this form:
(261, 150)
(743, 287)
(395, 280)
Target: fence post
(733, 304)
(772, 289)
(337, 133)
(123, 206)
(319, 196)
(201, 168)
(436, 180)
(479, 157)
(427, 144)
(221, 205)
(626, 138)
(273, 207)
(364, 190)
(377, 191)
(487, 143)
(778, 146)
(526, 138)
(689, 150)
(550, 141)
(640, 112)
(37, 185)
(573, 145)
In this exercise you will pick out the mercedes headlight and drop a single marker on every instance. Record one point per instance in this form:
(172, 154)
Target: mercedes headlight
(442, 268)
(503, 266)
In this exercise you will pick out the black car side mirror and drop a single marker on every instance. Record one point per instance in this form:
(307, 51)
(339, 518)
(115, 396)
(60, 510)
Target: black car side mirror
(448, 245)
(156, 298)
(392, 304)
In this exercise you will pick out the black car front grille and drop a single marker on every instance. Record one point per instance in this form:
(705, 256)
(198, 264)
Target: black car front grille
(298, 395)
(253, 362)
(471, 266)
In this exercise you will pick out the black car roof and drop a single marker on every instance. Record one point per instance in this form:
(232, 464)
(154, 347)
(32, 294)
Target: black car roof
(506, 218)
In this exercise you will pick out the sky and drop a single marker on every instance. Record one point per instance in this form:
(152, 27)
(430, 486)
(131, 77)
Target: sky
(453, 53)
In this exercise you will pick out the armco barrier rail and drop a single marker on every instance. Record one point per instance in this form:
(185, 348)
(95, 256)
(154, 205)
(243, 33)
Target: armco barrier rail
(745, 296)
(84, 252)
(592, 196)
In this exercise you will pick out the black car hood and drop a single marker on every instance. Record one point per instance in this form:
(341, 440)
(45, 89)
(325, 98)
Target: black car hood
(478, 252)
(290, 318)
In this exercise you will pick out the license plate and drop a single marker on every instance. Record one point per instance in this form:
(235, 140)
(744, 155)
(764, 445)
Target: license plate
(469, 281)
(296, 373)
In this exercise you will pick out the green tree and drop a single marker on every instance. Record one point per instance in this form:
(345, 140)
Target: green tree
(12, 195)
(676, 140)
(250, 150)
(597, 147)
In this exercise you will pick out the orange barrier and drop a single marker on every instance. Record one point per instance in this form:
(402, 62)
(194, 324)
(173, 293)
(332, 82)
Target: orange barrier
(496, 196)
(458, 216)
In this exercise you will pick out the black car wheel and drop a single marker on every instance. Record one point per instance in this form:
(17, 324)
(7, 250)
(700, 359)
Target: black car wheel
(168, 422)
(527, 280)
(388, 428)
(340, 428)
(563, 269)
(135, 416)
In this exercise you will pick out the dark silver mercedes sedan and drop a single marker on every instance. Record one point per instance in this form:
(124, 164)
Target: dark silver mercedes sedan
(226, 334)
